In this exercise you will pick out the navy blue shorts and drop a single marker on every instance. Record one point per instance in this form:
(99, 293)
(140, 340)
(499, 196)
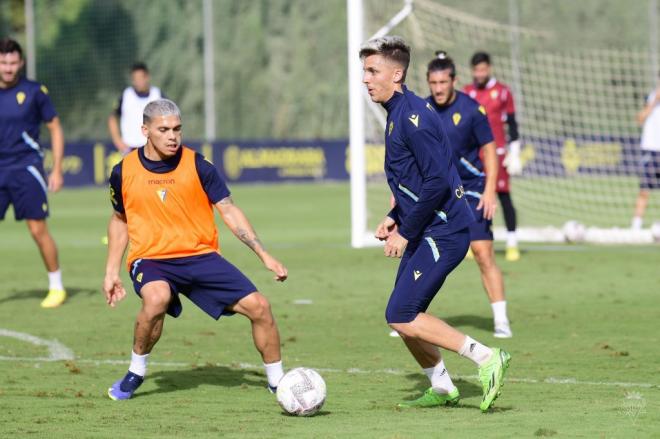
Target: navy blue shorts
(424, 267)
(650, 175)
(481, 229)
(26, 189)
(209, 281)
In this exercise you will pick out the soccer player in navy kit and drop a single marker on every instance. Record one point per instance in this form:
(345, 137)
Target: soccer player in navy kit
(427, 228)
(466, 125)
(24, 105)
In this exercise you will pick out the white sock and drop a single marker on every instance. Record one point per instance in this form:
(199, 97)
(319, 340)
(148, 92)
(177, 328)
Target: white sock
(475, 351)
(511, 239)
(439, 377)
(637, 222)
(55, 280)
(499, 311)
(138, 364)
(274, 372)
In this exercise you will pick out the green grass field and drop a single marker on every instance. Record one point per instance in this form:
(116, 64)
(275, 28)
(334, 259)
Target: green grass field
(585, 352)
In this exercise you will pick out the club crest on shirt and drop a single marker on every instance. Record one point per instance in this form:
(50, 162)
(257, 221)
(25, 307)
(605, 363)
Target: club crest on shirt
(20, 97)
(494, 94)
(456, 117)
(414, 118)
(389, 130)
(161, 194)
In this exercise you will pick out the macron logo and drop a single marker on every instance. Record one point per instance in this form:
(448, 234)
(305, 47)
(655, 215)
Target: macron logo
(417, 274)
(414, 119)
(161, 194)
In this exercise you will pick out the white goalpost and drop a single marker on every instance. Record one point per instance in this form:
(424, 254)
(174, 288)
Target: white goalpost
(576, 107)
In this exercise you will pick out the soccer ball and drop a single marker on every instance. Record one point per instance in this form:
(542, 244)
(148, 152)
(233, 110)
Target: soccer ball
(574, 231)
(301, 392)
(655, 231)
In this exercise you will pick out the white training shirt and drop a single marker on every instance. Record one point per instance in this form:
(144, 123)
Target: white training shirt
(651, 130)
(130, 121)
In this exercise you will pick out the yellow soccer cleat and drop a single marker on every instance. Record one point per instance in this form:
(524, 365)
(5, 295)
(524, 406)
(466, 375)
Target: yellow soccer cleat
(512, 254)
(54, 299)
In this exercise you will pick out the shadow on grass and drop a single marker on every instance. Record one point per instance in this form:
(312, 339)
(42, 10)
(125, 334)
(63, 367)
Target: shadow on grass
(477, 322)
(33, 294)
(176, 380)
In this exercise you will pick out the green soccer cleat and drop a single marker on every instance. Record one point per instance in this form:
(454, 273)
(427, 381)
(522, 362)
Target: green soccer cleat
(431, 398)
(491, 376)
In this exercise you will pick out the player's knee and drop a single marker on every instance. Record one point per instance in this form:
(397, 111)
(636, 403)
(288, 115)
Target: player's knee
(37, 229)
(405, 330)
(258, 307)
(155, 300)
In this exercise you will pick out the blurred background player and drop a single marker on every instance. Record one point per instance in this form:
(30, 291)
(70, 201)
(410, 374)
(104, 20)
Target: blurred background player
(498, 102)
(427, 228)
(649, 118)
(24, 105)
(174, 250)
(466, 126)
(124, 122)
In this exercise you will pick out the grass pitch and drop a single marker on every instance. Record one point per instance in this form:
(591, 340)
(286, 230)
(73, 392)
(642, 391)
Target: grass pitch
(585, 347)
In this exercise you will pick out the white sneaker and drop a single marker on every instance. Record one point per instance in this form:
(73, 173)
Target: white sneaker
(502, 330)
(393, 333)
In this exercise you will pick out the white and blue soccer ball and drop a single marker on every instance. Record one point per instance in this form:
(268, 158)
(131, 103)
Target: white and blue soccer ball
(301, 392)
(574, 231)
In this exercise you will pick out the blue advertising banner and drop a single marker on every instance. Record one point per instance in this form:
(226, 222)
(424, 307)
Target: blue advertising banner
(90, 163)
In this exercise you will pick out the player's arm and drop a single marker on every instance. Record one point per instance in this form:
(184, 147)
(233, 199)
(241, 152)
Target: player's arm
(117, 241)
(113, 128)
(488, 201)
(240, 226)
(57, 144)
(648, 108)
(424, 145)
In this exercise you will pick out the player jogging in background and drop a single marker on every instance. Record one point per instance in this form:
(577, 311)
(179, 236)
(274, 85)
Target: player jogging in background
(163, 196)
(649, 118)
(24, 105)
(498, 102)
(427, 228)
(466, 125)
(124, 123)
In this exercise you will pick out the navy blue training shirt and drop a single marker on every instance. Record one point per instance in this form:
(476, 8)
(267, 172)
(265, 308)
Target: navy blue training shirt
(23, 108)
(466, 125)
(212, 183)
(420, 171)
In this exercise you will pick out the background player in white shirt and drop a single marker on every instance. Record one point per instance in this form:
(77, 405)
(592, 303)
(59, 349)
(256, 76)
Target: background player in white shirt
(649, 118)
(124, 122)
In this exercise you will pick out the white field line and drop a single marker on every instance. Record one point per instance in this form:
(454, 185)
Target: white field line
(59, 352)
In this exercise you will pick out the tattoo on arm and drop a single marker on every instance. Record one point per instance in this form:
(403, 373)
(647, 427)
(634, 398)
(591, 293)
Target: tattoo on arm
(251, 240)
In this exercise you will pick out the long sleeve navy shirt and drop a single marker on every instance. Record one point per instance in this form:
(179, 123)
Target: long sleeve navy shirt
(430, 198)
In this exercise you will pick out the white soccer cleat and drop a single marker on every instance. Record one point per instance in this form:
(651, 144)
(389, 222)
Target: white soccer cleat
(502, 330)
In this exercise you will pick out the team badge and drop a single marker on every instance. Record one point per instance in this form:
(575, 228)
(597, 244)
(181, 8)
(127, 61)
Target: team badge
(494, 94)
(414, 119)
(112, 196)
(20, 97)
(139, 277)
(482, 110)
(417, 274)
(161, 194)
(389, 130)
(456, 117)
(44, 89)
(44, 207)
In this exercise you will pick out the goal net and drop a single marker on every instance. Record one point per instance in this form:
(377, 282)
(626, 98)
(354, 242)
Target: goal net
(576, 104)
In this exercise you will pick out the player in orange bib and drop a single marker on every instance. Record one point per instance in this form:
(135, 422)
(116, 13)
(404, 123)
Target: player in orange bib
(163, 196)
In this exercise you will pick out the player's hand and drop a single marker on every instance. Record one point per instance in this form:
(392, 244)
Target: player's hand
(488, 203)
(395, 245)
(385, 228)
(281, 273)
(55, 181)
(113, 289)
(122, 147)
